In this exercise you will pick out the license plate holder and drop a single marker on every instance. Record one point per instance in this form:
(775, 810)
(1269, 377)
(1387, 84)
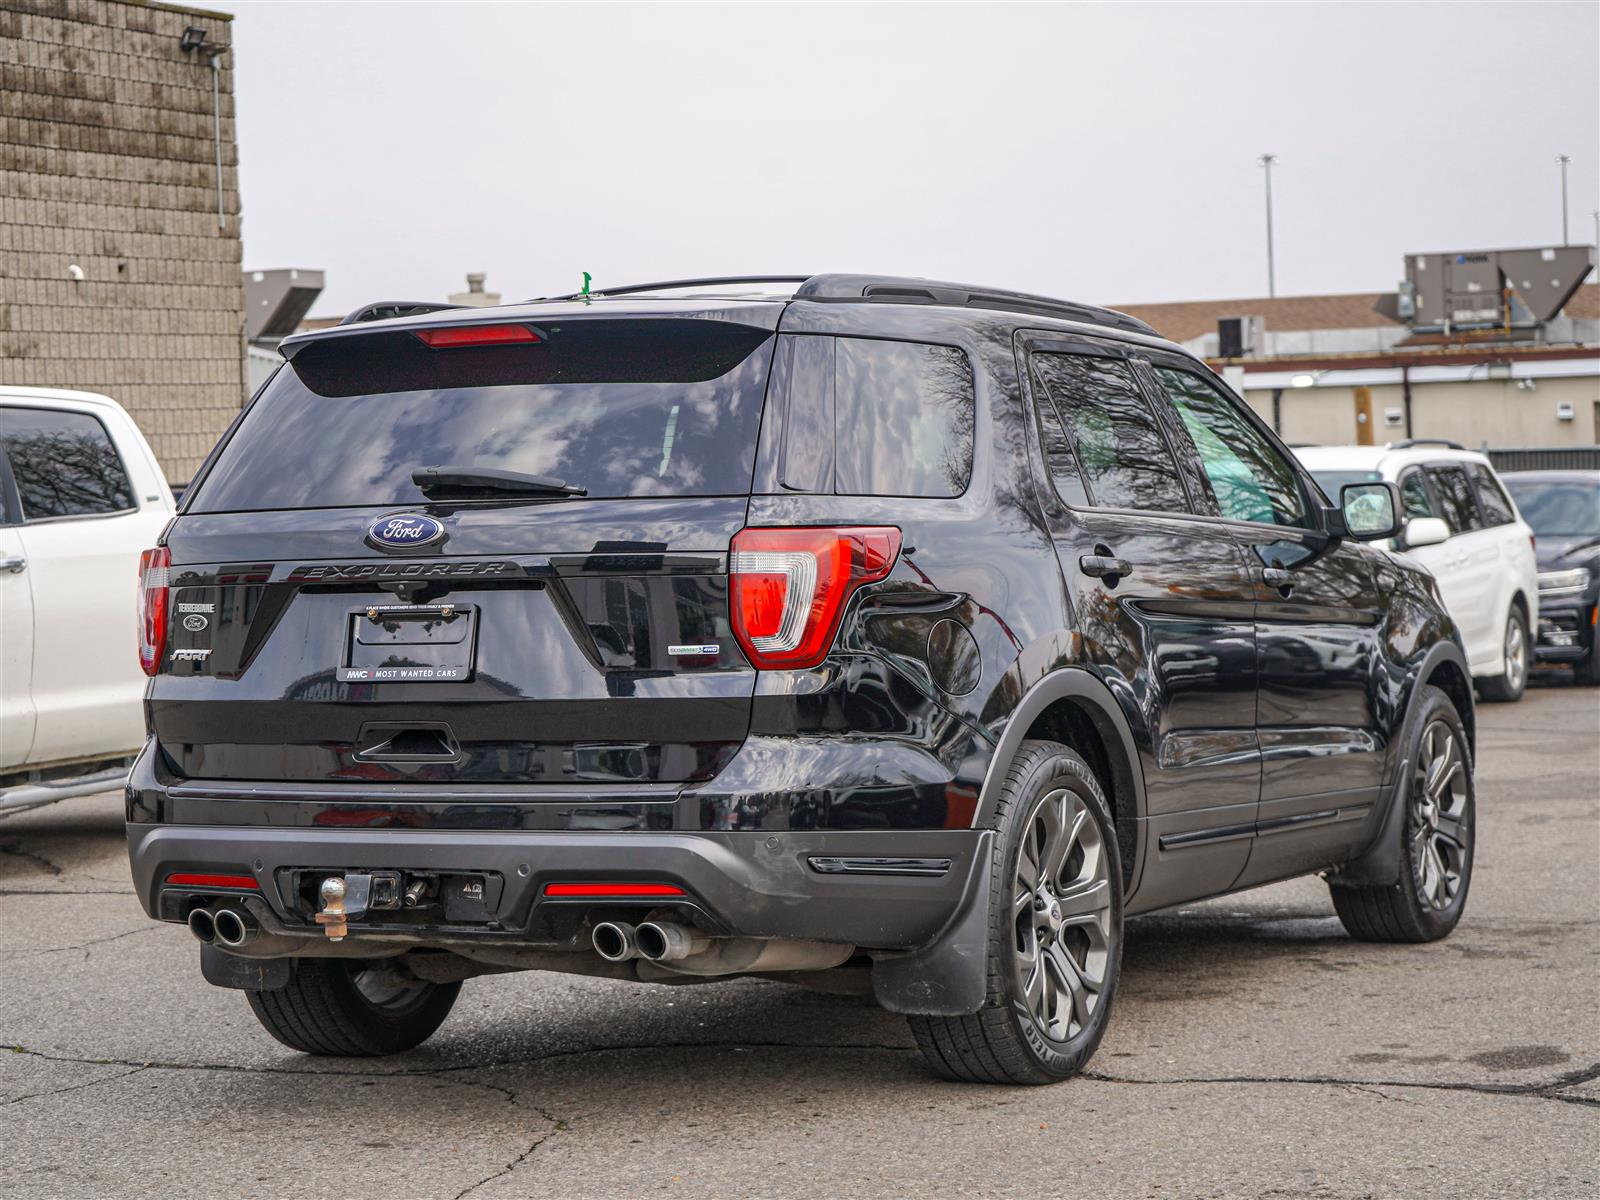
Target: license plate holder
(410, 643)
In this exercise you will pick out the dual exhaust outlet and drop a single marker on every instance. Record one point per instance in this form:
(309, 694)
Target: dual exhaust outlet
(224, 927)
(681, 950)
(654, 941)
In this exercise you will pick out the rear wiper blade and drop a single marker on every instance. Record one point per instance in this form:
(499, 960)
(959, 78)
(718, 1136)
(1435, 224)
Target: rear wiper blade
(491, 479)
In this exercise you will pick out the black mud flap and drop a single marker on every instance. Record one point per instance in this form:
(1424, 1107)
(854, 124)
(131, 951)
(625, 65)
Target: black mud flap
(949, 977)
(245, 974)
(1380, 864)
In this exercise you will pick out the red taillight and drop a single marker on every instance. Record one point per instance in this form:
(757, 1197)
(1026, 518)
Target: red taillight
(153, 569)
(613, 889)
(476, 335)
(196, 879)
(788, 587)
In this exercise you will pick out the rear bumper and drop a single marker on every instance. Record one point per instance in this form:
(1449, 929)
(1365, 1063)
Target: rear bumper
(747, 884)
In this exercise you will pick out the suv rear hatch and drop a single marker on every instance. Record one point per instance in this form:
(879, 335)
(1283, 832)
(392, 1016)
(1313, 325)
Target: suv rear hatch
(334, 621)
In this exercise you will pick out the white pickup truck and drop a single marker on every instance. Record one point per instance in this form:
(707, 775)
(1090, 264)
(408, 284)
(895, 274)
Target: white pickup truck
(81, 496)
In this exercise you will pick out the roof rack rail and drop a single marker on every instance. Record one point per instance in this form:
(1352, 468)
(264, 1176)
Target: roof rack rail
(1408, 443)
(893, 289)
(383, 310)
(896, 289)
(672, 284)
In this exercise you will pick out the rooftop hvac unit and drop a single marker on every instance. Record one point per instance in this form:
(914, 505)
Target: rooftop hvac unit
(1488, 289)
(1239, 336)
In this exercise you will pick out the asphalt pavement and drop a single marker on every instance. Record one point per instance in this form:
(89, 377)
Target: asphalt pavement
(1255, 1051)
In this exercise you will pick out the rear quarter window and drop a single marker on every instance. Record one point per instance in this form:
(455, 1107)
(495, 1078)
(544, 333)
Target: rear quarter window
(872, 417)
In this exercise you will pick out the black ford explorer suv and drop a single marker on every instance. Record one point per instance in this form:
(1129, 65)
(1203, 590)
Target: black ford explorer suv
(859, 632)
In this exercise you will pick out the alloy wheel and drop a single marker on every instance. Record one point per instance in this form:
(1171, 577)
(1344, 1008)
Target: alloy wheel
(1439, 836)
(1061, 916)
(1516, 653)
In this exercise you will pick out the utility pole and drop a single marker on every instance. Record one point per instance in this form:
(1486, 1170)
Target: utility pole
(1266, 161)
(1564, 159)
(1597, 227)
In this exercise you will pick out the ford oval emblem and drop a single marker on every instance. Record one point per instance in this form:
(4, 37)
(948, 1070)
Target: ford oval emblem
(403, 531)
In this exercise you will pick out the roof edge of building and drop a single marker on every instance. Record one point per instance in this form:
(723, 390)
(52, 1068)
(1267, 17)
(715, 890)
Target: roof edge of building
(189, 10)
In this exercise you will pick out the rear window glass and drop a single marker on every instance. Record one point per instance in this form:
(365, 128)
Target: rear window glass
(63, 463)
(622, 408)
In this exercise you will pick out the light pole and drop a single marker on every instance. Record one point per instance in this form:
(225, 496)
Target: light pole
(1564, 159)
(1266, 161)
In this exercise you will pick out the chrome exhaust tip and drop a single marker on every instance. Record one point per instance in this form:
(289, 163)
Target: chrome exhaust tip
(232, 928)
(615, 941)
(202, 925)
(664, 941)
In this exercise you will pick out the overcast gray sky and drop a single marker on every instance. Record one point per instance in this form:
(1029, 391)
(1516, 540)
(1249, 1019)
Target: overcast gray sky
(1100, 152)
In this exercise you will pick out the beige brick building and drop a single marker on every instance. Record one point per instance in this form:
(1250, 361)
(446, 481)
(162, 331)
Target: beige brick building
(108, 168)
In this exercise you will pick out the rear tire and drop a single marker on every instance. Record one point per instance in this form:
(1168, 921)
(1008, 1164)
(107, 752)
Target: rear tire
(1426, 902)
(1516, 655)
(1055, 931)
(332, 1006)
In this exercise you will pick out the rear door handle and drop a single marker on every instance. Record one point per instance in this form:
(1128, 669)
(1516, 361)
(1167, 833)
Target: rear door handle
(1102, 565)
(14, 565)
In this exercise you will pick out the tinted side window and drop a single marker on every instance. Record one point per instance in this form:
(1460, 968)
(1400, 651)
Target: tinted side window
(1123, 458)
(1251, 480)
(1492, 501)
(808, 416)
(1455, 496)
(1414, 496)
(1058, 454)
(903, 414)
(64, 464)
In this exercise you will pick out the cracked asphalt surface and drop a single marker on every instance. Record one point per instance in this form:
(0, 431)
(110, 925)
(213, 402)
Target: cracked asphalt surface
(1255, 1051)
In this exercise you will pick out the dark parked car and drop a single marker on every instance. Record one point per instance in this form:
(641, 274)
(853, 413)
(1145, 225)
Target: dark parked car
(1563, 507)
(859, 632)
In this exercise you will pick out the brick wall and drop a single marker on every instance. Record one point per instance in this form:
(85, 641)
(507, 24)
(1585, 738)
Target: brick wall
(107, 161)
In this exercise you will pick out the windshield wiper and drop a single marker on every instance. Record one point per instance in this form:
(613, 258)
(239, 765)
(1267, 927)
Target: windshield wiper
(491, 479)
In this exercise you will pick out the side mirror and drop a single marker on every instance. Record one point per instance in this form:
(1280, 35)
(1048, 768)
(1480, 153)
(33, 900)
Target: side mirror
(1370, 511)
(1425, 531)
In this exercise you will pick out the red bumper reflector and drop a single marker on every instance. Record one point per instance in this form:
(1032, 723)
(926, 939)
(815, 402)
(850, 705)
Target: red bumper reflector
(190, 879)
(476, 335)
(613, 889)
